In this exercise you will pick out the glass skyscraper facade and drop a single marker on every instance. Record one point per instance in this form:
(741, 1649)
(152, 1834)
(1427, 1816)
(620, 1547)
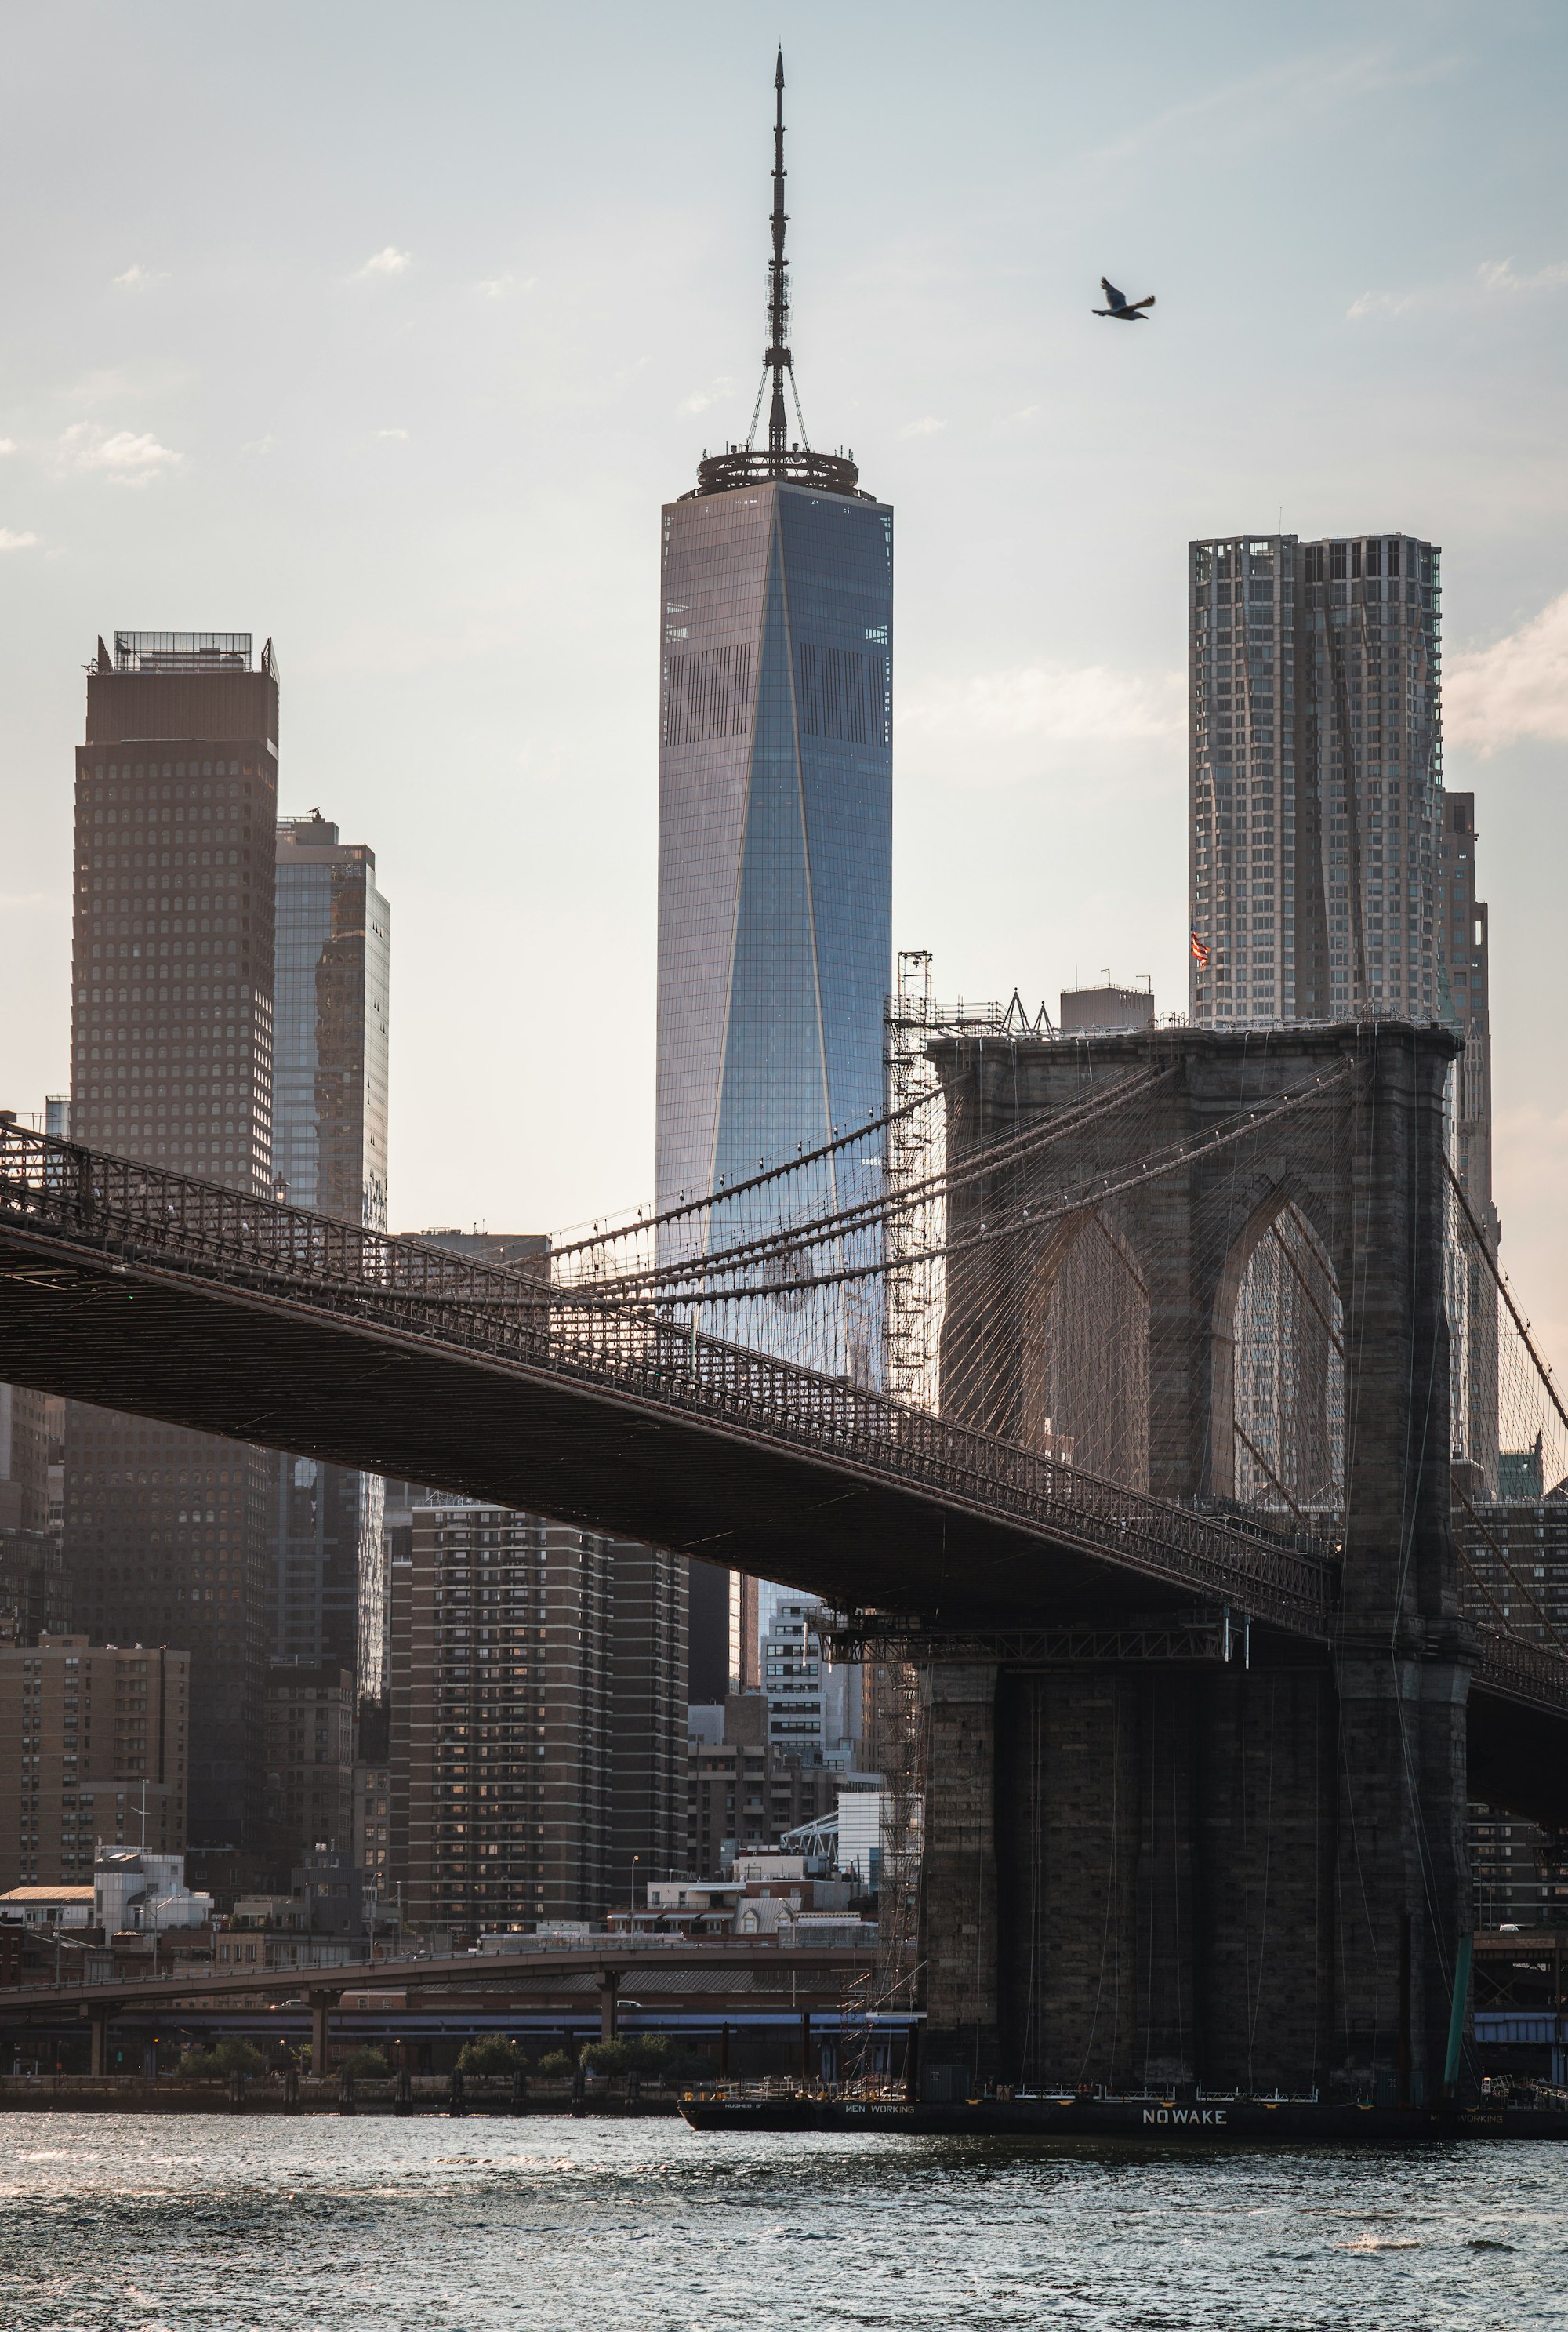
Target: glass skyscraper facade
(330, 1024)
(775, 835)
(775, 826)
(330, 1001)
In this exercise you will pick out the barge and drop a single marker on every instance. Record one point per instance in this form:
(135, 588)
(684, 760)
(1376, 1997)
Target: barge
(1156, 2120)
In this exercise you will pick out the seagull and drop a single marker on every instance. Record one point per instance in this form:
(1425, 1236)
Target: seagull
(1124, 311)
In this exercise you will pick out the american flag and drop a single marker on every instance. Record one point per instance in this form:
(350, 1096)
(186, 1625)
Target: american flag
(1200, 952)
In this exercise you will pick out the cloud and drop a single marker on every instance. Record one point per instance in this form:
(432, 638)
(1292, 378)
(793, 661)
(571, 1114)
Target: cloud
(399, 435)
(9, 542)
(702, 398)
(501, 287)
(1042, 705)
(389, 261)
(127, 458)
(1386, 303)
(137, 277)
(1492, 276)
(7, 444)
(1498, 275)
(926, 427)
(260, 446)
(1517, 688)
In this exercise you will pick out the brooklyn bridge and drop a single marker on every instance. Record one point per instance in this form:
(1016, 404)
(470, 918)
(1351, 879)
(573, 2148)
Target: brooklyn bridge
(1141, 1405)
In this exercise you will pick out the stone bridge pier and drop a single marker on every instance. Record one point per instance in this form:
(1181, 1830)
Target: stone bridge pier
(1234, 1859)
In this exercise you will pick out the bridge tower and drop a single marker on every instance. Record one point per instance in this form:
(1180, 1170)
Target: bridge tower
(1163, 1856)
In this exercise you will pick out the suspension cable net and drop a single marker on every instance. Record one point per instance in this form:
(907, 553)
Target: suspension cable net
(891, 1254)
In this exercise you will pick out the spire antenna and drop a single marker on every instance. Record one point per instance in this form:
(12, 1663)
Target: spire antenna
(779, 360)
(747, 465)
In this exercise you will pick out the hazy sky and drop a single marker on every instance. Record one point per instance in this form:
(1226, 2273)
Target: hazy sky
(386, 331)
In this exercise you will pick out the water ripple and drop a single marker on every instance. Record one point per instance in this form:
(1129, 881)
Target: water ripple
(548, 2226)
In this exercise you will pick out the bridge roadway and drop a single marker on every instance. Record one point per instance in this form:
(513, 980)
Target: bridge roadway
(811, 1976)
(162, 1295)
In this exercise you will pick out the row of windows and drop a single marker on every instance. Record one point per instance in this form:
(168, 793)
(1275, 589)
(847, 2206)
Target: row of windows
(843, 694)
(708, 694)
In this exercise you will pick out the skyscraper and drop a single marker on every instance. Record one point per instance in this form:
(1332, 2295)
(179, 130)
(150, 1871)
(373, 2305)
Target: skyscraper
(775, 792)
(1464, 947)
(330, 1011)
(1464, 942)
(537, 1737)
(330, 1152)
(165, 1532)
(775, 807)
(1315, 776)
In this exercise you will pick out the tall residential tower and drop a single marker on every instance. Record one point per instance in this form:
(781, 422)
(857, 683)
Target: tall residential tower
(1315, 775)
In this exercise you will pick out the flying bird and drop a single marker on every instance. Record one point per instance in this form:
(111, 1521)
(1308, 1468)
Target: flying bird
(1125, 312)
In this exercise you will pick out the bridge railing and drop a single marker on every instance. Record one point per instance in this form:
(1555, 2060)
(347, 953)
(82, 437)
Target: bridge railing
(1523, 1671)
(133, 1212)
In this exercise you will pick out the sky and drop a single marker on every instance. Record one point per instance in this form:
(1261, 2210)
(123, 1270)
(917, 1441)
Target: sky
(384, 332)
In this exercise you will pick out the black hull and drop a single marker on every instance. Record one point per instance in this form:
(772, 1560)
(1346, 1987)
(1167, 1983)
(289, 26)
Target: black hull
(1158, 2122)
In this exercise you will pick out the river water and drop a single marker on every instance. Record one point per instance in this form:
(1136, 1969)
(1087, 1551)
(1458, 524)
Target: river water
(163, 2225)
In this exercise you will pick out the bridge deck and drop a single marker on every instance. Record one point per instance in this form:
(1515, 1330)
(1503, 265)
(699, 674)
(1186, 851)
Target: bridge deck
(153, 1294)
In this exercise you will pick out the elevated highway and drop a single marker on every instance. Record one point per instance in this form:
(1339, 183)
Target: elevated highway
(725, 1976)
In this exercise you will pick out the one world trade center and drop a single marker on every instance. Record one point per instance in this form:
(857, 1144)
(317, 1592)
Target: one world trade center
(775, 792)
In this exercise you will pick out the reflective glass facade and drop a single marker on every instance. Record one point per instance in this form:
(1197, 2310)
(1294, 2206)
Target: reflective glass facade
(775, 826)
(330, 1152)
(330, 1024)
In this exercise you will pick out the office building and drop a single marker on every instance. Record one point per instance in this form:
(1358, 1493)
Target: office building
(709, 1667)
(94, 1748)
(167, 1533)
(775, 819)
(745, 1792)
(54, 1413)
(310, 1759)
(34, 1590)
(1464, 945)
(373, 1821)
(1091, 1012)
(1516, 1543)
(330, 1010)
(775, 797)
(23, 1459)
(330, 1023)
(1463, 937)
(814, 1708)
(1315, 776)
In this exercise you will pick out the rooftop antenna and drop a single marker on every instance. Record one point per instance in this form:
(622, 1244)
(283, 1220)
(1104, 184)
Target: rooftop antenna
(746, 465)
(778, 359)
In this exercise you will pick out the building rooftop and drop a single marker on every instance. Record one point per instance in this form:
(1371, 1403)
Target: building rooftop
(182, 650)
